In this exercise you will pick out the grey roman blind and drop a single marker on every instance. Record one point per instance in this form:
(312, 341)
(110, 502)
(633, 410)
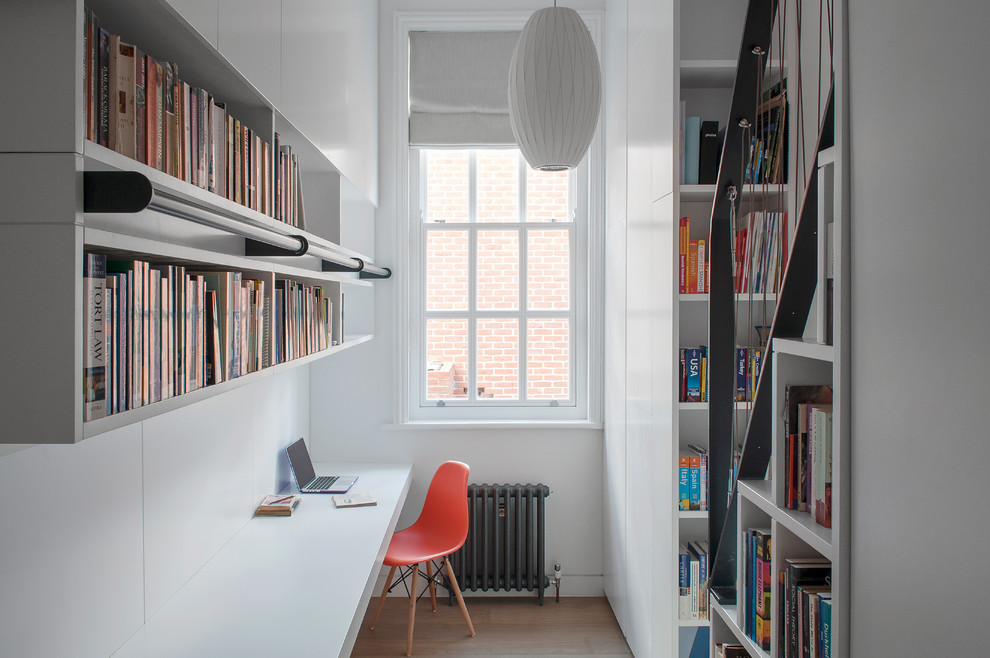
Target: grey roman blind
(458, 88)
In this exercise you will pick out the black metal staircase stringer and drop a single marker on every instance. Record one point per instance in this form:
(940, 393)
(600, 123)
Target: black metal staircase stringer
(721, 330)
(791, 315)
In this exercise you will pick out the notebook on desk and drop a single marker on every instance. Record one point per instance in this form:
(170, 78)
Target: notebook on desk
(306, 478)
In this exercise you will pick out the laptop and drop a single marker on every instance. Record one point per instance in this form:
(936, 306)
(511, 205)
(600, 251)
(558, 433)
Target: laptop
(305, 474)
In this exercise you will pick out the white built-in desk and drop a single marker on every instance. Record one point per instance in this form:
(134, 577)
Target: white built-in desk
(285, 586)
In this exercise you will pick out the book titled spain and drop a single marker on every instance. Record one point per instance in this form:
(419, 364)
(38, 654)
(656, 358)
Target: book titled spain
(94, 366)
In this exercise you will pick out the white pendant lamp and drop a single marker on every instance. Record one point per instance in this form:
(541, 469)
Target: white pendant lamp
(555, 89)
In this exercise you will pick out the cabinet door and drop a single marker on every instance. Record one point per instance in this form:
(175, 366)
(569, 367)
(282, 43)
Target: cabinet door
(250, 37)
(201, 14)
(330, 82)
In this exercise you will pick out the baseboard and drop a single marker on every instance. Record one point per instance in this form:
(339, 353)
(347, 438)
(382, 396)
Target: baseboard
(569, 586)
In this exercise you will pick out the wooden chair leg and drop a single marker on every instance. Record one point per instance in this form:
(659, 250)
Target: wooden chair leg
(381, 599)
(433, 586)
(460, 599)
(412, 609)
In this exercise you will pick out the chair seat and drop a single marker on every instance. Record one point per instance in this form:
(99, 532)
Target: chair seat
(412, 546)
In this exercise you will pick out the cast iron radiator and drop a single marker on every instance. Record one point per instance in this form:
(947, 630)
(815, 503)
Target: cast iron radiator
(506, 540)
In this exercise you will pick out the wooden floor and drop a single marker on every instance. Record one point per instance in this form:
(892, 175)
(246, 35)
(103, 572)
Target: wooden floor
(504, 626)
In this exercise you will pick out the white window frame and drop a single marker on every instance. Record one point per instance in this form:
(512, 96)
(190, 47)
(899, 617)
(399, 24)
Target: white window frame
(584, 408)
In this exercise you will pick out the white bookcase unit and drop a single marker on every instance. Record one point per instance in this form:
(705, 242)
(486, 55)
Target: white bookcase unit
(45, 228)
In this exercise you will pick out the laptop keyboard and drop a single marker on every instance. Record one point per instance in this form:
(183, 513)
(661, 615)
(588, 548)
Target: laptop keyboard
(322, 482)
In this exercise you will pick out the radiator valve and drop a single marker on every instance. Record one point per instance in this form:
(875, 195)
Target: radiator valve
(556, 582)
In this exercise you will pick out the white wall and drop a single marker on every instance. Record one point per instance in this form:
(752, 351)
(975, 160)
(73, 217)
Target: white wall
(919, 236)
(352, 403)
(95, 536)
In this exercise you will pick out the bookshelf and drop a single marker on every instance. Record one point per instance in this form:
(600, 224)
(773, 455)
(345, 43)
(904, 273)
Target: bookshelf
(46, 228)
(808, 346)
(709, 35)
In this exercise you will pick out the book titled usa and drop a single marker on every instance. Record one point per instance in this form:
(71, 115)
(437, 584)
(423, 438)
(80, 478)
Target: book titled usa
(693, 356)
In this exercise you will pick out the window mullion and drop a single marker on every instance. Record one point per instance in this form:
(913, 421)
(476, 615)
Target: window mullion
(523, 281)
(421, 247)
(472, 392)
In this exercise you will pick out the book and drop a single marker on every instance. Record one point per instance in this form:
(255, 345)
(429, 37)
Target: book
(684, 496)
(94, 322)
(683, 583)
(693, 356)
(103, 89)
(796, 399)
(825, 625)
(692, 144)
(140, 107)
(699, 550)
(800, 572)
(122, 125)
(742, 390)
(684, 233)
(708, 153)
(702, 476)
(278, 505)
(357, 499)
(695, 573)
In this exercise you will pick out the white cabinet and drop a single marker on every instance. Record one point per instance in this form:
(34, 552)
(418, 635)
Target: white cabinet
(330, 82)
(46, 228)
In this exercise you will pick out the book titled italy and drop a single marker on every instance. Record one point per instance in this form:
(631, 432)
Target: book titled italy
(94, 357)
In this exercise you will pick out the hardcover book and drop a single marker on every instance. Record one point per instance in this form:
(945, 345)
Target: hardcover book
(708, 153)
(122, 134)
(692, 144)
(278, 505)
(94, 368)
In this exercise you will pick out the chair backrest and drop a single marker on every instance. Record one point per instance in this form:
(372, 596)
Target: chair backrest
(445, 511)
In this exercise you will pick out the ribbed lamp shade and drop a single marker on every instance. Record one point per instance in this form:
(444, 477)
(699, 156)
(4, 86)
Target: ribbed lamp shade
(555, 89)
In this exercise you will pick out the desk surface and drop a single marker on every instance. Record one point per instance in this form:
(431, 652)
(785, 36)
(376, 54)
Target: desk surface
(285, 586)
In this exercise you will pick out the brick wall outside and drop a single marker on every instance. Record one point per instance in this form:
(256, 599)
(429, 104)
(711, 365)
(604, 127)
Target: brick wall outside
(498, 275)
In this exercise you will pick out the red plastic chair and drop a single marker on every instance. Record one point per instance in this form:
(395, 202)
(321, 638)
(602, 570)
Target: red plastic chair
(440, 530)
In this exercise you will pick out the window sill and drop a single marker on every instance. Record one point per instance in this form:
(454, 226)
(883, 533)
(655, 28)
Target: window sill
(495, 425)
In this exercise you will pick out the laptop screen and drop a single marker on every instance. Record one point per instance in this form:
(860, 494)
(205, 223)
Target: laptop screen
(302, 465)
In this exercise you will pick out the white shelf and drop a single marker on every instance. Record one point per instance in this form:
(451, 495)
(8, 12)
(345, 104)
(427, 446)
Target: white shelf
(94, 427)
(729, 614)
(804, 348)
(703, 406)
(693, 623)
(708, 73)
(702, 297)
(692, 514)
(706, 193)
(801, 524)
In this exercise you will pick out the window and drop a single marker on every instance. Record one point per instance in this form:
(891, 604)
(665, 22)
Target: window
(499, 268)
(500, 321)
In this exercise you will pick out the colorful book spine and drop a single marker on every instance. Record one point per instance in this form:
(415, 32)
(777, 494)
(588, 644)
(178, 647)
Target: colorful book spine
(94, 321)
(693, 356)
(700, 278)
(683, 583)
(683, 489)
(742, 388)
(694, 482)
